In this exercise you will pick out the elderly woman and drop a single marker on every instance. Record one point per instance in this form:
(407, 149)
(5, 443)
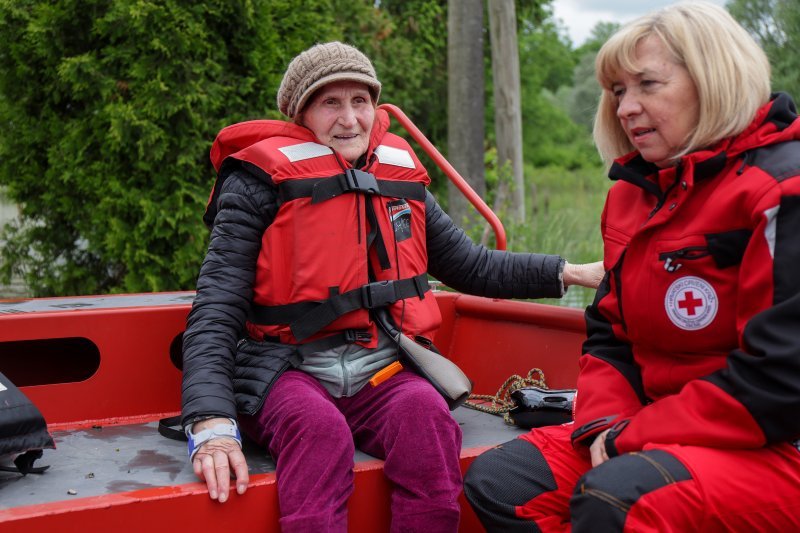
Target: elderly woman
(686, 416)
(307, 218)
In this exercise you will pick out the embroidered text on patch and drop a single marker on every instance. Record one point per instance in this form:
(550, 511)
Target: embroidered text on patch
(691, 303)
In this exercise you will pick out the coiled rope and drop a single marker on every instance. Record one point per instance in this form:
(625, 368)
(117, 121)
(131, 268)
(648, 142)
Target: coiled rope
(501, 403)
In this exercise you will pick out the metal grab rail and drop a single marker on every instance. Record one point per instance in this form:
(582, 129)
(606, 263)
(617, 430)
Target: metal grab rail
(451, 173)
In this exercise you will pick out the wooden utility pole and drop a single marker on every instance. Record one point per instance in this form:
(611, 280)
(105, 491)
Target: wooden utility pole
(465, 103)
(507, 111)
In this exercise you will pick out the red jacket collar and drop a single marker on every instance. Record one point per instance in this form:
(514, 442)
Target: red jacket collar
(775, 122)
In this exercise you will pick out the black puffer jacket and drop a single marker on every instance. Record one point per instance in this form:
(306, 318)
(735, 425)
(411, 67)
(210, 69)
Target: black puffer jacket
(247, 205)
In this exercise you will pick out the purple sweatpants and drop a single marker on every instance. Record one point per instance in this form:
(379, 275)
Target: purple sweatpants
(312, 437)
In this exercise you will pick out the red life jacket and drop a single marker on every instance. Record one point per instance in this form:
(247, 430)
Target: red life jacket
(343, 241)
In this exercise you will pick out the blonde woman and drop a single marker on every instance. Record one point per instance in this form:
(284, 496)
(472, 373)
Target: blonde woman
(686, 417)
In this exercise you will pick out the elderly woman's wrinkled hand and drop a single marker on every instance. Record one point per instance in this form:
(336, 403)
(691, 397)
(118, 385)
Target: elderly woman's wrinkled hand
(213, 463)
(587, 275)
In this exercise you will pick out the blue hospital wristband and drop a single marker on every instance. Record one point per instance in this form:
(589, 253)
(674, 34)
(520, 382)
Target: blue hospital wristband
(196, 440)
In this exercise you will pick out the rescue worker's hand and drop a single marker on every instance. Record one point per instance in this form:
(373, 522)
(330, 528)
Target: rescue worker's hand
(214, 460)
(598, 449)
(587, 275)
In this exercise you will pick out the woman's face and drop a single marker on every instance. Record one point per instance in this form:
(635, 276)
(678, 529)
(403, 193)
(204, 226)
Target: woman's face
(341, 115)
(658, 106)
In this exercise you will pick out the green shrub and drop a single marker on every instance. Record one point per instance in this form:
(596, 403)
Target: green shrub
(108, 109)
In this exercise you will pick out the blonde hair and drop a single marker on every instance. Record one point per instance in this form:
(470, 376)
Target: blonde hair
(730, 72)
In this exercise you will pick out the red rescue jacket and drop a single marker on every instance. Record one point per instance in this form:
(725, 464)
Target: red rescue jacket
(693, 335)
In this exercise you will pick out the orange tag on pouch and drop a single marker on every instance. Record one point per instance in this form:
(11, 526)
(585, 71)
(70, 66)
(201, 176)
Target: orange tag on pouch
(385, 373)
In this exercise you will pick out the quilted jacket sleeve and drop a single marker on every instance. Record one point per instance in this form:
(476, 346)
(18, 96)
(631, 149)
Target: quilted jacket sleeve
(247, 205)
(471, 268)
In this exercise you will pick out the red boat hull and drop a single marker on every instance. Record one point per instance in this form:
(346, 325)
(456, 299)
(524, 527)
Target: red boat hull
(114, 361)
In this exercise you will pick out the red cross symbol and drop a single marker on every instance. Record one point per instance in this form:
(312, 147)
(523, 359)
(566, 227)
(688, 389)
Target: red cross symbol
(690, 303)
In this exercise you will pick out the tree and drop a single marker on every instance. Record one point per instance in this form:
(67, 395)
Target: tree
(775, 24)
(549, 136)
(508, 118)
(108, 109)
(410, 56)
(465, 102)
(580, 100)
(407, 42)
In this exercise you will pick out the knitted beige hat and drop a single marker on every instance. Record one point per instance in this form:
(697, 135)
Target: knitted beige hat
(319, 65)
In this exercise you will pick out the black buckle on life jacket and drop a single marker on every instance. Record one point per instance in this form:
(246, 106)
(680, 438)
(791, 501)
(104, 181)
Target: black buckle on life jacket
(378, 294)
(349, 336)
(352, 180)
(357, 335)
(358, 180)
(307, 318)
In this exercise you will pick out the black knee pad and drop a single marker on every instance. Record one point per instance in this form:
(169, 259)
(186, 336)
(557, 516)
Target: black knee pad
(605, 494)
(503, 478)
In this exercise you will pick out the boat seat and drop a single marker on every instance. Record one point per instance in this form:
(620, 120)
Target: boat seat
(97, 461)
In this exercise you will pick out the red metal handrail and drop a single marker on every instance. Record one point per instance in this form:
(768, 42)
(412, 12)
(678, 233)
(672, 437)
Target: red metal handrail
(451, 173)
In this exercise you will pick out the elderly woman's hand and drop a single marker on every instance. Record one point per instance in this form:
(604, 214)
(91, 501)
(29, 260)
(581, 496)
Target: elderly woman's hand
(216, 458)
(586, 275)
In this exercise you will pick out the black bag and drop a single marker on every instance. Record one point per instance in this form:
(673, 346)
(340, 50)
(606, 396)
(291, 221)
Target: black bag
(535, 407)
(23, 430)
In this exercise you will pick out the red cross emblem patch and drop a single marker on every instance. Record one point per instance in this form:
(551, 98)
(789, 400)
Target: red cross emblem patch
(691, 303)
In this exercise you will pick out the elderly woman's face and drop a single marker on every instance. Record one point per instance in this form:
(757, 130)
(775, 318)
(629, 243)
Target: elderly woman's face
(341, 115)
(657, 107)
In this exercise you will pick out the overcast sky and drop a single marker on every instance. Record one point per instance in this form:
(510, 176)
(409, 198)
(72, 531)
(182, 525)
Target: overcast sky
(580, 16)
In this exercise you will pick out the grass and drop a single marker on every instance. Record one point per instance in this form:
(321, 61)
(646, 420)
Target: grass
(563, 217)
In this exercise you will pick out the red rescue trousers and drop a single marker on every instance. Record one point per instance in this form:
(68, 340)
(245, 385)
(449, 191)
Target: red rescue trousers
(540, 482)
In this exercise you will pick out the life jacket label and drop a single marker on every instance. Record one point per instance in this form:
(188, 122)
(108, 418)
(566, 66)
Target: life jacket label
(400, 215)
(388, 155)
(302, 151)
(691, 303)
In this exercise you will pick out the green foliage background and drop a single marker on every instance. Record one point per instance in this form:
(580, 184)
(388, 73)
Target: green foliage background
(775, 24)
(108, 109)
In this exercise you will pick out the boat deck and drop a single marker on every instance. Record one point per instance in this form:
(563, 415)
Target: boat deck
(103, 370)
(104, 460)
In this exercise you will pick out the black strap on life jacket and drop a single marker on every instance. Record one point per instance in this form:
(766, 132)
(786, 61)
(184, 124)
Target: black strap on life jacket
(348, 336)
(307, 318)
(352, 180)
(375, 237)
